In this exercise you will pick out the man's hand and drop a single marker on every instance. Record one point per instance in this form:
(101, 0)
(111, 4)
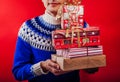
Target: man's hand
(52, 66)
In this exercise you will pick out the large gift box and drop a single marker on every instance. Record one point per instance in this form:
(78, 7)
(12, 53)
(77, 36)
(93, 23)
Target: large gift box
(67, 64)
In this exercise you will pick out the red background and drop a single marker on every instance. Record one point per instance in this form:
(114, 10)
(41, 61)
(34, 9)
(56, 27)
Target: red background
(105, 14)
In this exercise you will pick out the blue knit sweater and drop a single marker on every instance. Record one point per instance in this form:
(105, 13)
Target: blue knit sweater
(34, 45)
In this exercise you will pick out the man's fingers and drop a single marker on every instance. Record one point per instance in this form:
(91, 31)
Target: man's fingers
(53, 64)
(52, 69)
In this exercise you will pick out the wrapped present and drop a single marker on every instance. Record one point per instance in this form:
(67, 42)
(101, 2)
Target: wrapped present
(79, 52)
(63, 39)
(72, 52)
(72, 16)
(67, 64)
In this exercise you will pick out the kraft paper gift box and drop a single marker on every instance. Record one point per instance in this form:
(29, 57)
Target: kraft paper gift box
(67, 64)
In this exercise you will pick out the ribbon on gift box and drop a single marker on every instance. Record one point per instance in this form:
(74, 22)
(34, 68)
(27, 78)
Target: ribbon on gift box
(78, 30)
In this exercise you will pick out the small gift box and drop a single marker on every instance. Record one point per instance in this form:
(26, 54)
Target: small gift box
(72, 15)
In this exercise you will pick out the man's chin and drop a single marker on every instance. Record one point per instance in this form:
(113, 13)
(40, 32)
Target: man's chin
(53, 10)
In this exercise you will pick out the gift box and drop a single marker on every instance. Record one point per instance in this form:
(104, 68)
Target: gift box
(79, 52)
(67, 64)
(74, 38)
(72, 16)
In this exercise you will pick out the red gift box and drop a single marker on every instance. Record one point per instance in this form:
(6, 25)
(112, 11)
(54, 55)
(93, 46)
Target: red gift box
(72, 16)
(87, 37)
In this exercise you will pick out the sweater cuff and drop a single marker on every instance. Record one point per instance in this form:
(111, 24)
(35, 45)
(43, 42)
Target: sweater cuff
(37, 70)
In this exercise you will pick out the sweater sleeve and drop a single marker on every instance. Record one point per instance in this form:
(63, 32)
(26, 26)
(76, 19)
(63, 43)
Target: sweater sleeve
(23, 67)
(23, 56)
(22, 61)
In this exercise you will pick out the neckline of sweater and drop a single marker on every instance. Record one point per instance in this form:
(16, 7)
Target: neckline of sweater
(51, 19)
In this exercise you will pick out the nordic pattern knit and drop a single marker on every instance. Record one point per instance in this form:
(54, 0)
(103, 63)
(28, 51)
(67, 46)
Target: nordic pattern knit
(34, 45)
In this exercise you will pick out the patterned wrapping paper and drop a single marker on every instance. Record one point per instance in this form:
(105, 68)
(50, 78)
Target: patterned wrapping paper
(78, 52)
(72, 16)
(60, 41)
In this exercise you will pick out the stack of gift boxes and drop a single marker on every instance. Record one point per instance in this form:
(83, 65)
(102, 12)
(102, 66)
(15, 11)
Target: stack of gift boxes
(73, 40)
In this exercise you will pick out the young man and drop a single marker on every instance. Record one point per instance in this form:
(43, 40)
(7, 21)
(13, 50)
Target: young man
(32, 60)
